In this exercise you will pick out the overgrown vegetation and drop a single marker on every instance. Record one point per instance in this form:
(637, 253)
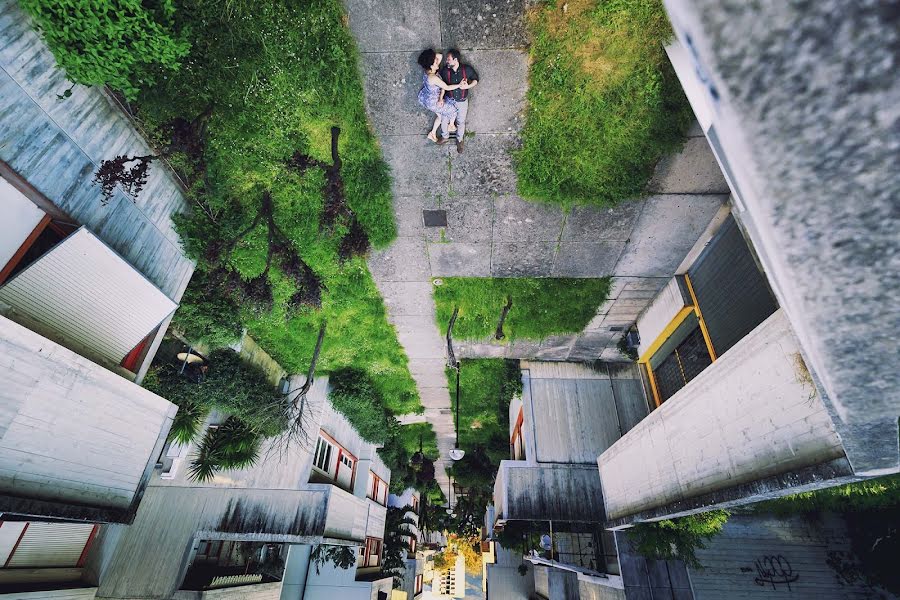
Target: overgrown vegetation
(534, 308)
(603, 104)
(678, 539)
(355, 395)
(871, 509)
(486, 388)
(870, 494)
(125, 44)
(255, 410)
(232, 386)
(398, 526)
(263, 120)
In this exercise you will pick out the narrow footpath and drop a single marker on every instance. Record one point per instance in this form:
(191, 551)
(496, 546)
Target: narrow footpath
(390, 34)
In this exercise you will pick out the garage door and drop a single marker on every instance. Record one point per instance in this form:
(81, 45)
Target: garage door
(41, 544)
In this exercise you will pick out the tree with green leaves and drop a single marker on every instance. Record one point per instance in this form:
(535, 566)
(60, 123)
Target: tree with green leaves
(125, 44)
(678, 539)
(397, 531)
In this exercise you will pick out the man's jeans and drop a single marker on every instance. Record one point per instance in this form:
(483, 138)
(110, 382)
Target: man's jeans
(463, 108)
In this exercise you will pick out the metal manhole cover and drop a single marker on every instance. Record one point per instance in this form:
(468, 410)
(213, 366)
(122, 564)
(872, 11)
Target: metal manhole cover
(435, 218)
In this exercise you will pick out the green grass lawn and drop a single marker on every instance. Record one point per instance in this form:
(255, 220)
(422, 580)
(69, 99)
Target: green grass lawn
(487, 385)
(276, 77)
(603, 104)
(540, 307)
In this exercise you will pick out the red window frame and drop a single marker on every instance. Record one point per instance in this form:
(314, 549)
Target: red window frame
(341, 452)
(419, 582)
(375, 487)
(373, 549)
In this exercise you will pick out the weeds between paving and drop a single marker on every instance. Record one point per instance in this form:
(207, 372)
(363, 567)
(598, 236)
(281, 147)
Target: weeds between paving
(604, 104)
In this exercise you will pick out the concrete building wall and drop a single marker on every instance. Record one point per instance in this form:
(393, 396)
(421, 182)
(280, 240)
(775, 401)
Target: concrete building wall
(74, 594)
(567, 492)
(806, 132)
(57, 146)
(761, 556)
(752, 414)
(507, 583)
(72, 432)
(591, 590)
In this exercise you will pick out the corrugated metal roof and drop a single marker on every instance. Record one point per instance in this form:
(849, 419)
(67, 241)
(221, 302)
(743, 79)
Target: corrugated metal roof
(90, 295)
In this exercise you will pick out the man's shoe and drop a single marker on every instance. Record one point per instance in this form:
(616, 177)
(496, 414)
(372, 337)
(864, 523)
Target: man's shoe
(442, 141)
(459, 146)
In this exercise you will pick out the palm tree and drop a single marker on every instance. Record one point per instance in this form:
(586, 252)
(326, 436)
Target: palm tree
(187, 422)
(233, 445)
(396, 534)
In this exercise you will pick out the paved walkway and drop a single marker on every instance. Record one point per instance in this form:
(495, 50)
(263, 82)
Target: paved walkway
(491, 231)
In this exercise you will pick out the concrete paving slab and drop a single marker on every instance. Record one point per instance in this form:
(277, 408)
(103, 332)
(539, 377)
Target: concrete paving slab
(590, 224)
(417, 345)
(484, 23)
(460, 259)
(525, 259)
(469, 219)
(434, 397)
(653, 284)
(616, 285)
(586, 259)
(408, 298)
(695, 130)
(382, 25)
(518, 220)
(497, 103)
(393, 263)
(555, 348)
(612, 354)
(485, 167)
(485, 350)
(392, 84)
(694, 170)
(408, 216)
(418, 166)
(665, 232)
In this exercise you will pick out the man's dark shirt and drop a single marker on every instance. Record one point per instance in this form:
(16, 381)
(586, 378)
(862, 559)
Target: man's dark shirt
(452, 77)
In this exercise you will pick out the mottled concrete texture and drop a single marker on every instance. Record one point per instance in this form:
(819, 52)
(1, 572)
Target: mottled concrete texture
(484, 24)
(807, 105)
(390, 25)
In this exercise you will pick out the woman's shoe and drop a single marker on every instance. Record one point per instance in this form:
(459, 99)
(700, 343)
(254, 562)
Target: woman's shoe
(432, 137)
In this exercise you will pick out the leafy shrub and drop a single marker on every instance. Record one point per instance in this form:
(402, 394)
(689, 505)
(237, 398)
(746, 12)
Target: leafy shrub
(207, 315)
(867, 495)
(232, 445)
(232, 386)
(187, 422)
(354, 395)
(677, 539)
(125, 44)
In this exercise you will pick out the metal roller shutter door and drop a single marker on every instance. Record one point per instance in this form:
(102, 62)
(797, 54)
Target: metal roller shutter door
(51, 545)
(731, 291)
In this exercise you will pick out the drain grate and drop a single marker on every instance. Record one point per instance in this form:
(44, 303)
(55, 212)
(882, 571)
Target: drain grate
(434, 218)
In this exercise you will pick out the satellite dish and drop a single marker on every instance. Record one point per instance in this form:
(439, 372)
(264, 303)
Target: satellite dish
(457, 454)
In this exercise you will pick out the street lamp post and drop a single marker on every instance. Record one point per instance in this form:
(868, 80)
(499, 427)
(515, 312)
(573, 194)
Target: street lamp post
(457, 453)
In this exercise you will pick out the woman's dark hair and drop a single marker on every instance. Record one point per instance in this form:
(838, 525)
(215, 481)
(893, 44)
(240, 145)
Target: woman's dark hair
(426, 59)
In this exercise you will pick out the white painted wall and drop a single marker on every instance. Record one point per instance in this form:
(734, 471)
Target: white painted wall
(19, 218)
(750, 415)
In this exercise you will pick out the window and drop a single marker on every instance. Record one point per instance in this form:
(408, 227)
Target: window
(419, 581)
(373, 552)
(415, 505)
(412, 544)
(377, 489)
(322, 459)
